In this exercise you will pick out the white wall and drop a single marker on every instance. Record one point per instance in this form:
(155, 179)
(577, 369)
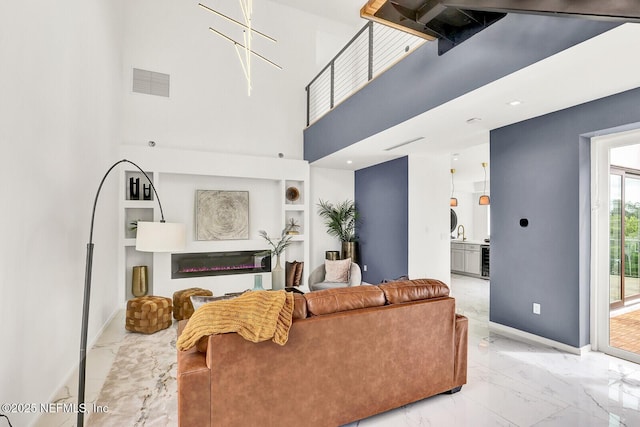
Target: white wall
(331, 185)
(59, 132)
(209, 108)
(429, 219)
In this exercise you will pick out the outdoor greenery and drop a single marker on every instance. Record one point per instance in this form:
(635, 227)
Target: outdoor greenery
(340, 219)
(631, 237)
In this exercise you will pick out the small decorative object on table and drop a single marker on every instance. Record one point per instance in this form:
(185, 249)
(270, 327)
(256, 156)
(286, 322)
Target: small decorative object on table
(277, 272)
(257, 283)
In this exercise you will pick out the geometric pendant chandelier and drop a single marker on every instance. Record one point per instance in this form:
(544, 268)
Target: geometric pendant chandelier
(244, 51)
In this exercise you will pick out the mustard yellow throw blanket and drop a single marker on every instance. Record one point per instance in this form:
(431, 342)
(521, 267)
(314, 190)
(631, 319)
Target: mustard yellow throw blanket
(255, 315)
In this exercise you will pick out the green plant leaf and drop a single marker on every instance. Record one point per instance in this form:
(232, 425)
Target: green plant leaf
(340, 219)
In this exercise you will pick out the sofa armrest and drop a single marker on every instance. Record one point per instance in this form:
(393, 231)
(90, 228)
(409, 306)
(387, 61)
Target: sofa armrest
(316, 276)
(461, 339)
(194, 388)
(355, 275)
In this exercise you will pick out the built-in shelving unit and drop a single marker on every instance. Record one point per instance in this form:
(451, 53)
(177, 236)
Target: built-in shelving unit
(296, 209)
(135, 209)
(176, 174)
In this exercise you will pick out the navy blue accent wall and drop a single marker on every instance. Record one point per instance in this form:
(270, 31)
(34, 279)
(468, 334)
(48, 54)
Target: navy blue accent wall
(382, 197)
(424, 80)
(540, 171)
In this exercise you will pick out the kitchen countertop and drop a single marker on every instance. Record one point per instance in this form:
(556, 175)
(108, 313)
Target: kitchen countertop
(470, 242)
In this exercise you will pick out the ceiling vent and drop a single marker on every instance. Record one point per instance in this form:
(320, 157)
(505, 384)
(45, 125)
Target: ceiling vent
(402, 144)
(150, 82)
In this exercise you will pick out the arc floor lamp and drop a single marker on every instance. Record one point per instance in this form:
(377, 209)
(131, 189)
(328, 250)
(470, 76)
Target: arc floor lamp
(150, 237)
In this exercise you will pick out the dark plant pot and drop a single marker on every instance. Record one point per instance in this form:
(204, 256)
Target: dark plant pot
(350, 250)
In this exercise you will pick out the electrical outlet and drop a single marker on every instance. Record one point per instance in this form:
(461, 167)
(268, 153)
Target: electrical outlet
(364, 267)
(536, 308)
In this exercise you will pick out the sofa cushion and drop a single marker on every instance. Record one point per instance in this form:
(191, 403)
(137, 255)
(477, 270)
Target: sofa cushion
(337, 271)
(342, 299)
(328, 285)
(299, 306)
(413, 290)
(199, 300)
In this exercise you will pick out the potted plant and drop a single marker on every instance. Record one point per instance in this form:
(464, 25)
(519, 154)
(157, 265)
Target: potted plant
(340, 220)
(278, 246)
(293, 226)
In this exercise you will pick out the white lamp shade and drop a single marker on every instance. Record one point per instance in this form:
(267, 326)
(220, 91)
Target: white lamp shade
(161, 237)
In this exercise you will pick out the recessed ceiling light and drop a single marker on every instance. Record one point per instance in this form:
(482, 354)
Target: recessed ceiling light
(515, 103)
(473, 120)
(349, 162)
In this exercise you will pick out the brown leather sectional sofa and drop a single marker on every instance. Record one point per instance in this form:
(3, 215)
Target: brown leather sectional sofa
(352, 353)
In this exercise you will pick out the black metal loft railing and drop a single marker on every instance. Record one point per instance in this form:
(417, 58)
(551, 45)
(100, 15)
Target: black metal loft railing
(373, 50)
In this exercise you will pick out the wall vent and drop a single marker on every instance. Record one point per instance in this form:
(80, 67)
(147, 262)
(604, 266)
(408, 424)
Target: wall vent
(150, 82)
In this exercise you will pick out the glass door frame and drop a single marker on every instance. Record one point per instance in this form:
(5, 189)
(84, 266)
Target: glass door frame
(624, 173)
(600, 237)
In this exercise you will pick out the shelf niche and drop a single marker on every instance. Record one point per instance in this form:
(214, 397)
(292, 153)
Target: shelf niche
(143, 186)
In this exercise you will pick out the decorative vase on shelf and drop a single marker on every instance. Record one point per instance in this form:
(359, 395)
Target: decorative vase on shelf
(277, 275)
(139, 281)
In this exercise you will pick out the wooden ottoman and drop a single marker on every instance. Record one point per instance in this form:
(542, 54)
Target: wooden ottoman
(182, 307)
(148, 314)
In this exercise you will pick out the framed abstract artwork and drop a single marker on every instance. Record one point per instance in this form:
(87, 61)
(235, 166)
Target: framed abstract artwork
(222, 215)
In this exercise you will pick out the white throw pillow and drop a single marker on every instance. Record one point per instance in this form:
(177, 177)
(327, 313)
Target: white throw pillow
(337, 271)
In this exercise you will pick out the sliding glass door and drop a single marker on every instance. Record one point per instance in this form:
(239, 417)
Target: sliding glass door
(615, 239)
(624, 238)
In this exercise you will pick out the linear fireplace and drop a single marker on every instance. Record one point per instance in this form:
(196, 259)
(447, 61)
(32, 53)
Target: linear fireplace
(219, 263)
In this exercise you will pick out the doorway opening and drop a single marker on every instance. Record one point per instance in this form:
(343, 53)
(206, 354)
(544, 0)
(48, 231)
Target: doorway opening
(624, 284)
(616, 245)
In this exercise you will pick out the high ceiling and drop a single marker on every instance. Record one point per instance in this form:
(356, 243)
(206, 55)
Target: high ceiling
(593, 69)
(344, 11)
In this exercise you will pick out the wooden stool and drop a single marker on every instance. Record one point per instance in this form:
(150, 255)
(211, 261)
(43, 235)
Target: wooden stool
(148, 314)
(182, 307)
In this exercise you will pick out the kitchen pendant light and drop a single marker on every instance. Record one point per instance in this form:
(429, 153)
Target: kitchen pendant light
(453, 202)
(484, 199)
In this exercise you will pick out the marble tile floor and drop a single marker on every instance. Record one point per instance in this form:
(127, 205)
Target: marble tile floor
(510, 383)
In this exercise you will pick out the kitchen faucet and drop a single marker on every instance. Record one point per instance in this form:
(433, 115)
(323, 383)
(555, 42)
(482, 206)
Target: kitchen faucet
(459, 227)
